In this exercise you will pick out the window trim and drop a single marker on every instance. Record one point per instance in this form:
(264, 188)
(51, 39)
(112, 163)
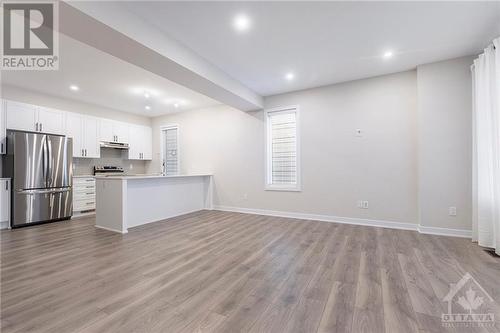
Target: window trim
(163, 130)
(268, 160)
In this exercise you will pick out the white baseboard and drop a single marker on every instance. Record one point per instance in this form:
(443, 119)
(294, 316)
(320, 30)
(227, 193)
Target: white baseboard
(4, 225)
(445, 231)
(352, 220)
(110, 229)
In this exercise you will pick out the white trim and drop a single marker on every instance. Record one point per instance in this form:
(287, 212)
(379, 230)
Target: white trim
(267, 161)
(445, 231)
(163, 128)
(351, 220)
(111, 229)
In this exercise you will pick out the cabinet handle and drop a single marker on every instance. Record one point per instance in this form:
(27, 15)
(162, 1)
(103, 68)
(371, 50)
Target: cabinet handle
(36, 127)
(85, 151)
(82, 153)
(6, 185)
(1, 149)
(41, 127)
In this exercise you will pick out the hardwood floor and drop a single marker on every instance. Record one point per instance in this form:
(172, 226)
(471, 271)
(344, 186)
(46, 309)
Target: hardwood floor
(214, 271)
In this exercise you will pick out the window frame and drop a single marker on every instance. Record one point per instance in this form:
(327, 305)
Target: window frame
(269, 186)
(163, 130)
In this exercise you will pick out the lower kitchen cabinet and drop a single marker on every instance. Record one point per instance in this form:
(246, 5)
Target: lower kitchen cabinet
(4, 203)
(83, 195)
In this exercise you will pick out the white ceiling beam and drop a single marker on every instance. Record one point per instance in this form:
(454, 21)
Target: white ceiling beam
(113, 30)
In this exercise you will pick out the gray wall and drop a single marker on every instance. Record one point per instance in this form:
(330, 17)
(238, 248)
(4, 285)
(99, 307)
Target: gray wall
(445, 143)
(338, 168)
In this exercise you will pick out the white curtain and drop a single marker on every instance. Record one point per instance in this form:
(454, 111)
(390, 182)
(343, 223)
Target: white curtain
(486, 151)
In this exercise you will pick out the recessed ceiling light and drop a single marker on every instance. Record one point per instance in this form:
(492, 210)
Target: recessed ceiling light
(146, 94)
(74, 87)
(176, 105)
(388, 54)
(289, 76)
(242, 22)
(147, 107)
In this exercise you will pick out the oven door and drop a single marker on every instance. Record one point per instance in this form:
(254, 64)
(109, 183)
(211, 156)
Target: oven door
(41, 205)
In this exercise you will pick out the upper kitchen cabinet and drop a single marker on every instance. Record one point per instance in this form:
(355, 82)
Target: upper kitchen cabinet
(140, 143)
(50, 121)
(21, 116)
(113, 131)
(84, 130)
(32, 118)
(3, 120)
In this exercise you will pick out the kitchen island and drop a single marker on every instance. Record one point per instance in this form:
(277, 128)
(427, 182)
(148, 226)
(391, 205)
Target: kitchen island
(123, 202)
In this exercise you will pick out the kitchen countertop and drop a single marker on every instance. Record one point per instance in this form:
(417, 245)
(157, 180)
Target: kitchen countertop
(4, 178)
(83, 176)
(133, 177)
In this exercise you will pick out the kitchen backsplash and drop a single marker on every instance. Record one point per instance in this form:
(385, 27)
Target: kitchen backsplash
(115, 157)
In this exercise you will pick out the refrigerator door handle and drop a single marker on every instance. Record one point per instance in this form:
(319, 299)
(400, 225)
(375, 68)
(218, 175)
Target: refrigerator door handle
(44, 191)
(49, 150)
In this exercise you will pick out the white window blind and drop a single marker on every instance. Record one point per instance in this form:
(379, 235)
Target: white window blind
(171, 162)
(282, 149)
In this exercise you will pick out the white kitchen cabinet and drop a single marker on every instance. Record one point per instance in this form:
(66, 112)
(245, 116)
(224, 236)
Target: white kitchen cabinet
(140, 143)
(148, 143)
(113, 131)
(83, 195)
(90, 137)
(3, 127)
(84, 131)
(50, 121)
(32, 118)
(74, 130)
(21, 116)
(4, 203)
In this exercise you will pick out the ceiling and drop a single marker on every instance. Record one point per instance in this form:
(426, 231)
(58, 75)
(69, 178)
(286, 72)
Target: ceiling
(107, 81)
(322, 42)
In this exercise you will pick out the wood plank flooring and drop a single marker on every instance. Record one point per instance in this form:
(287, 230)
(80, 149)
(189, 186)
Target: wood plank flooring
(213, 271)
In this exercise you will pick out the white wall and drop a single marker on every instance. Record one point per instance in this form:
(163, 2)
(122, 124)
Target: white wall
(445, 143)
(338, 168)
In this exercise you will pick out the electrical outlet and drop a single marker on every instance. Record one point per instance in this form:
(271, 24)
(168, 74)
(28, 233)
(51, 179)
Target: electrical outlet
(452, 211)
(359, 132)
(362, 204)
(131, 166)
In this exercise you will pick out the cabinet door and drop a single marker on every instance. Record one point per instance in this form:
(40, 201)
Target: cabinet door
(91, 137)
(147, 144)
(4, 200)
(21, 116)
(121, 131)
(106, 130)
(135, 144)
(50, 121)
(3, 119)
(74, 130)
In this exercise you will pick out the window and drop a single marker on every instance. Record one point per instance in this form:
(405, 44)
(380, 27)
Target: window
(170, 150)
(282, 142)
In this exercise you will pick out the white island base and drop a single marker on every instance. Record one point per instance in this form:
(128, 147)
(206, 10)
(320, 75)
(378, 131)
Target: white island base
(123, 202)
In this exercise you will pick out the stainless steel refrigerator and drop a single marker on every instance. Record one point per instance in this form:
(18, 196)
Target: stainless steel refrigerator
(41, 168)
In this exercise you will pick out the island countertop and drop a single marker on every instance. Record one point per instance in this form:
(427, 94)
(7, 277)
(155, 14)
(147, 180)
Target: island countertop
(133, 177)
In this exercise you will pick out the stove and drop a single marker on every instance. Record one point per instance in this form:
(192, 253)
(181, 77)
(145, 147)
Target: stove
(108, 170)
